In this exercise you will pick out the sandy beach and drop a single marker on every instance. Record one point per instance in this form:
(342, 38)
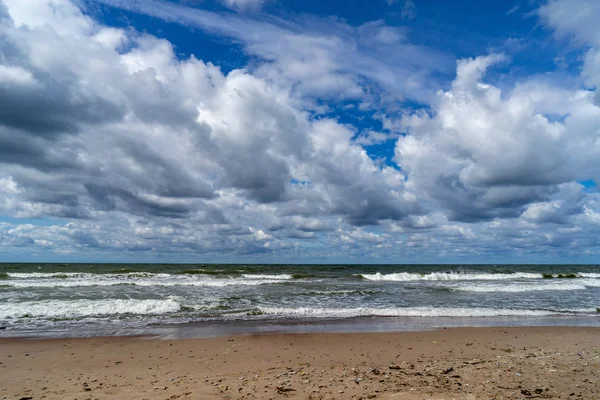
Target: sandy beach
(458, 363)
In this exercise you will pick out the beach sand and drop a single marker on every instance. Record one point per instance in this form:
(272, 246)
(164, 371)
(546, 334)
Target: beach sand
(458, 363)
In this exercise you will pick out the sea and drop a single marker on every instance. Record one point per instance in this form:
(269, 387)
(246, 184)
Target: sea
(184, 301)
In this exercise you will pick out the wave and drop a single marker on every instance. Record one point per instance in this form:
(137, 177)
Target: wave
(589, 275)
(71, 275)
(519, 288)
(282, 277)
(447, 276)
(44, 275)
(146, 279)
(560, 276)
(590, 282)
(305, 312)
(87, 308)
(139, 282)
(201, 272)
(399, 276)
(187, 278)
(365, 292)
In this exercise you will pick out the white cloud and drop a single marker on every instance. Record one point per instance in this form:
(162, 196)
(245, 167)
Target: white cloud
(62, 16)
(573, 17)
(359, 235)
(482, 153)
(576, 19)
(244, 5)
(260, 235)
(564, 204)
(14, 75)
(371, 137)
(119, 131)
(321, 57)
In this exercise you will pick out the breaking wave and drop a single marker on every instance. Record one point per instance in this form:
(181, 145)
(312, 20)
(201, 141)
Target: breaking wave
(447, 276)
(87, 308)
(282, 277)
(140, 282)
(522, 287)
(305, 312)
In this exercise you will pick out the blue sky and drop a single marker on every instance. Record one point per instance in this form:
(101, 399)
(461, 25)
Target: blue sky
(299, 131)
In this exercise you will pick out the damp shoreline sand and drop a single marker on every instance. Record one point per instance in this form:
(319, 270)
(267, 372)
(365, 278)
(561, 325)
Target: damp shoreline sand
(454, 363)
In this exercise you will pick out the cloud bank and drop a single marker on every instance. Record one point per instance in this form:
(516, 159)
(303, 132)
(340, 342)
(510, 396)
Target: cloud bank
(112, 144)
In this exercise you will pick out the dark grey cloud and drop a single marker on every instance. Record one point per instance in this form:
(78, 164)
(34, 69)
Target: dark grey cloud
(472, 204)
(53, 109)
(39, 101)
(20, 148)
(108, 199)
(160, 175)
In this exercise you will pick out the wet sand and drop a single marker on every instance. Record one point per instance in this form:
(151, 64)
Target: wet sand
(457, 363)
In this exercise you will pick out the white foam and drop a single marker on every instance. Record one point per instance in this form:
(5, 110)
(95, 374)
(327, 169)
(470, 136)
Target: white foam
(582, 311)
(282, 277)
(305, 312)
(48, 275)
(158, 280)
(86, 308)
(589, 275)
(75, 279)
(447, 276)
(42, 275)
(341, 292)
(522, 287)
(591, 282)
(210, 282)
(128, 275)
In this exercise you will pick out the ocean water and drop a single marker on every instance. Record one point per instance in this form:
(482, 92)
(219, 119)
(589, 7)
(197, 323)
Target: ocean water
(89, 299)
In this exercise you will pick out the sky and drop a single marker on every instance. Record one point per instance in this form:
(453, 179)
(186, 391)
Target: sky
(289, 131)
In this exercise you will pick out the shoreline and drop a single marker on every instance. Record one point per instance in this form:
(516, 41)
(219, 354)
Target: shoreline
(460, 363)
(366, 324)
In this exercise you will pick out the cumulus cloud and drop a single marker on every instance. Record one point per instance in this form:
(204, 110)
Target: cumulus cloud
(483, 154)
(111, 123)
